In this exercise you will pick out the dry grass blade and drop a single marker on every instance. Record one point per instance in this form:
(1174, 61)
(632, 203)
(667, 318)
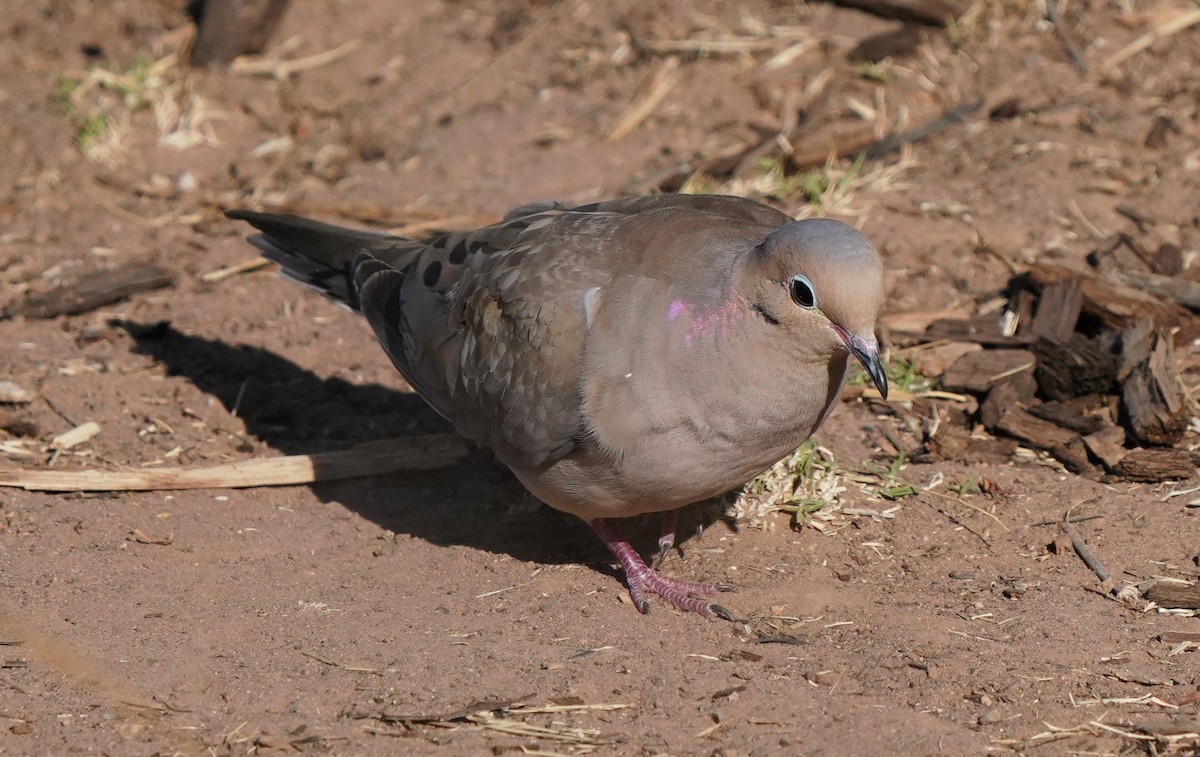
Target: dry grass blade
(1184, 20)
(282, 69)
(554, 708)
(659, 85)
(374, 458)
(246, 266)
(517, 728)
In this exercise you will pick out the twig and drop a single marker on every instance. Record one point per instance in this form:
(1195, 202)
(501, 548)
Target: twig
(1084, 551)
(347, 668)
(1056, 521)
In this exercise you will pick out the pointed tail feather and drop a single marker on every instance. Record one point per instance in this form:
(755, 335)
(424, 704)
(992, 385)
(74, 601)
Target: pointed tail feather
(315, 254)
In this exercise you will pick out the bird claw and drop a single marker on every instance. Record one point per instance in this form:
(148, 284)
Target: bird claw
(721, 612)
(664, 549)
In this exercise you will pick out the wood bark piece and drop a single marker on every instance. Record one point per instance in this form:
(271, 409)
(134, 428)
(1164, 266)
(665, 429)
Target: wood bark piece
(984, 331)
(1074, 457)
(1182, 291)
(1154, 464)
(373, 458)
(1016, 390)
(930, 12)
(1076, 367)
(1152, 400)
(934, 361)
(1117, 306)
(1083, 415)
(229, 28)
(1169, 594)
(978, 371)
(1058, 310)
(1064, 445)
(93, 292)
(1178, 637)
(1107, 446)
(1034, 431)
(954, 442)
(1136, 343)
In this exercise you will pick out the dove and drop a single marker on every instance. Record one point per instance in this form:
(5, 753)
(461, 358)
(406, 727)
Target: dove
(622, 358)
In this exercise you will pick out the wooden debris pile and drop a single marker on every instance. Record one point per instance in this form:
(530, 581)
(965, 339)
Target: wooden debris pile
(1082, 365)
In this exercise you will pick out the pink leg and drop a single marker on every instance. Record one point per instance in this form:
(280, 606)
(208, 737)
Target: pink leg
(643, 580)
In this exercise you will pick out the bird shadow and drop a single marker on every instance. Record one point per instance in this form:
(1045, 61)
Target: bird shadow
(475, 503)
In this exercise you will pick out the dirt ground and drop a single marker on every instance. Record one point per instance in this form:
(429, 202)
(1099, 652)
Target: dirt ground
(382, 615)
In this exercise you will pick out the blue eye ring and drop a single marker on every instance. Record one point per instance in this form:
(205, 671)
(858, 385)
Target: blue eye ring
(802, 291)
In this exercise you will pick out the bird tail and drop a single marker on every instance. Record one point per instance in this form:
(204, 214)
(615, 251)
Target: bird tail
(318, 255)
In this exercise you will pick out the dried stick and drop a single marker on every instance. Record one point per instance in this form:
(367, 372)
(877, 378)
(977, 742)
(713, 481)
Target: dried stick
(1084, 551)
(373, 458)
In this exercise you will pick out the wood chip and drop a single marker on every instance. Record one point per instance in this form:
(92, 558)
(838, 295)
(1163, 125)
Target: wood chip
(1078, 414)
(11, 394)
(977, 371)
(1058, 310)
(1107, 446)
(1179, 596)
(76, 436)
(935, 361)
(1179, 637)
(1153, 400)
(1076, 367)
(1016, 390)
(1117, 306)
(1151, 465)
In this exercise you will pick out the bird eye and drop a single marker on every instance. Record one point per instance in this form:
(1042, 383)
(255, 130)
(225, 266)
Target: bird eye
(802, 292)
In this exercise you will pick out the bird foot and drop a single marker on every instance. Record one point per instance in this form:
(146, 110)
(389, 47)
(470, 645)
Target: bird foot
(644, 580)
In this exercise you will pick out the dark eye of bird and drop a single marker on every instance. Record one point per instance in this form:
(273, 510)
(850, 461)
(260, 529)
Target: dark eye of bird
(802, 292)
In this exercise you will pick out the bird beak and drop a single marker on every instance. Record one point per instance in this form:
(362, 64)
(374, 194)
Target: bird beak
(866, 349)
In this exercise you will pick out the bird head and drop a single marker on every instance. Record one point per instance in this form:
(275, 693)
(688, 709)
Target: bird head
(821, 282)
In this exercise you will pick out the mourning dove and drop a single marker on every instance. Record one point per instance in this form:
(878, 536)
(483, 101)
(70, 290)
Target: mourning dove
(625, 357)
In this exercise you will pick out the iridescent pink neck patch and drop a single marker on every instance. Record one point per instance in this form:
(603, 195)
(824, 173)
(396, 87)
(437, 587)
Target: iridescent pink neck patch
(706, 320)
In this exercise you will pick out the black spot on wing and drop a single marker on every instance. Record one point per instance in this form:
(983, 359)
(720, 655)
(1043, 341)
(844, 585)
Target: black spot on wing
(459, 253)
(433, 272)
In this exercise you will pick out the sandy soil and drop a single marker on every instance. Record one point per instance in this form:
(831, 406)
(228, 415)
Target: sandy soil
(347, 617)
